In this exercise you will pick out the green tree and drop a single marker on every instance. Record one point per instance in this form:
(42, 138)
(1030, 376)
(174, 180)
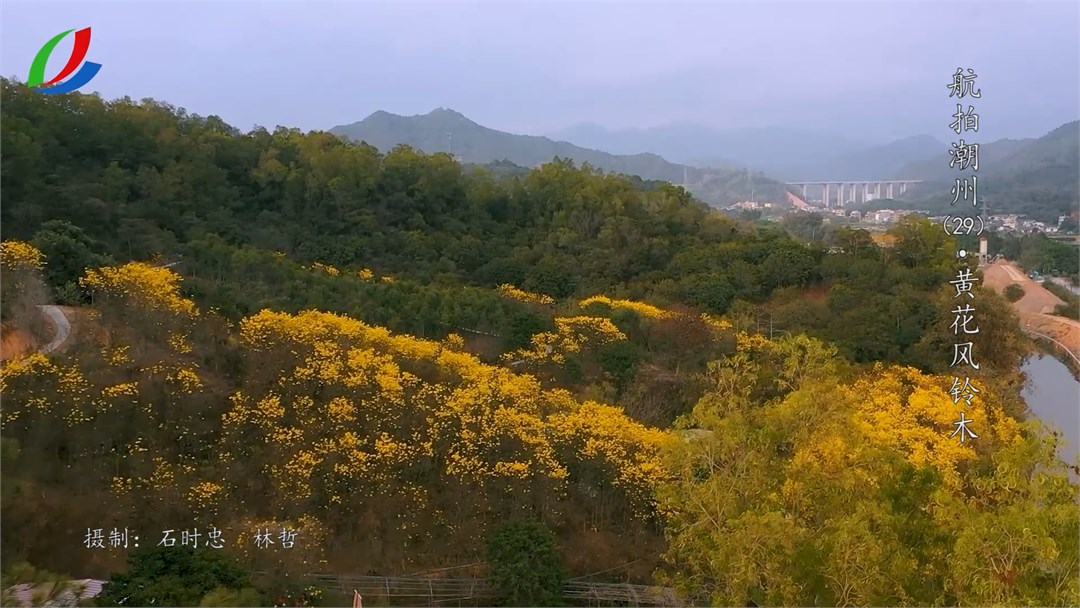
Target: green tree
(171, 576)
(70, 252)
(621, 359)
(1013, 292)
(525, 565)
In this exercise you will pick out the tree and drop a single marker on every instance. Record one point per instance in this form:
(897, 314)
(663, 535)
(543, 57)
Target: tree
(850, 491)
(21, 266)
(172, 576)
(70, 252)
(525, 566)
(1013, 292)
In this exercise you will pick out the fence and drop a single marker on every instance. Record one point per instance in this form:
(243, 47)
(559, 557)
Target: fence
(1075, 364)
(415, 590)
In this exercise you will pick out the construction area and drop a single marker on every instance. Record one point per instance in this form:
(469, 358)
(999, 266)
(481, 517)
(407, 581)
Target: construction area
(1036, 309)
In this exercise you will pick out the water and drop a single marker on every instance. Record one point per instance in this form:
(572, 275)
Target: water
(1054, 397)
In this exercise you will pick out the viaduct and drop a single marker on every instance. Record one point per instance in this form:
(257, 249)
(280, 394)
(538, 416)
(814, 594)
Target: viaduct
(856, 191)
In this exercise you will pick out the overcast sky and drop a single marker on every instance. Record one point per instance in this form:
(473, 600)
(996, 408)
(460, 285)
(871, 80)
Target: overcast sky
(872, 69)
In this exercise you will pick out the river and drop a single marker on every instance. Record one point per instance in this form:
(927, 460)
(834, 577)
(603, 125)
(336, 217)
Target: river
(1053, 395)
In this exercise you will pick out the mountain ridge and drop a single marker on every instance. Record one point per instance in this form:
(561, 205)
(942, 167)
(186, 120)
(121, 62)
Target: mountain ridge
(449, 131)
(788, 153)
(1035, 176)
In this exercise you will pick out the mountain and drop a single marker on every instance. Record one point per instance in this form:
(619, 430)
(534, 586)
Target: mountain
(779, 151)
(934, 165)
(1035, 177)
(444, 130)
(879, 162)
(785, 153)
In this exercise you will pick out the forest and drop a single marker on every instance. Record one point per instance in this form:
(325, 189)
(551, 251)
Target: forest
(415, 365)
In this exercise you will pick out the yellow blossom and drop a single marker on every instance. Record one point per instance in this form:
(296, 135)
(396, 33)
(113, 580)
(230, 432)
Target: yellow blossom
(521, 295)
(153, 287)
(19, 255)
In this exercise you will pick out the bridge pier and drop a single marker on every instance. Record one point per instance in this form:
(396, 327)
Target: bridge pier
(849, 191)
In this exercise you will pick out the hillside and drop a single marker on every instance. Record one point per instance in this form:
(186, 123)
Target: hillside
(934, 165)
(1035, 177)
(877, 162)
(418, 367)
(444, 130)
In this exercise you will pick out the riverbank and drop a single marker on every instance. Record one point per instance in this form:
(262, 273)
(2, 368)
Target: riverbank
(1052, 348)
(1052, 396)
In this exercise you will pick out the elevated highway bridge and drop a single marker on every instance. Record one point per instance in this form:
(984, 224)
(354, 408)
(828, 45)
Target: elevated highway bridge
(854, 191)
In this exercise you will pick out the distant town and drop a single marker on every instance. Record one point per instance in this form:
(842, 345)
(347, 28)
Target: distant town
(884, 217)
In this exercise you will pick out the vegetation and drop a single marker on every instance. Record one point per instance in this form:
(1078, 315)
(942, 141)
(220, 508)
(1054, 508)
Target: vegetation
(165, 576)
(525, 568)
(1038, 252)
(473, 143)
(1071, 308)
(1013, 292)
(1036, 177)
(851, 492)
(43, 588)
(390, 357)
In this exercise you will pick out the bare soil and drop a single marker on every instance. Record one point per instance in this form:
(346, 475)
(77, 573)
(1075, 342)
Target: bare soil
(1036, 307)
(14, 342)
(1037, 299)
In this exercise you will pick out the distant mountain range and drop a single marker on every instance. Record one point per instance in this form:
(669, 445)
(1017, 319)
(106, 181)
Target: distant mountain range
(444, 130)
(1037, 177)
(781, 152)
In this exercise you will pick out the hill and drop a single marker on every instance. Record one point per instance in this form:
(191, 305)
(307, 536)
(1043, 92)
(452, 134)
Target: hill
(392, 359)
(877, 162)
(1035, 177)
(781, 152)
(444, 130)
(778, 151)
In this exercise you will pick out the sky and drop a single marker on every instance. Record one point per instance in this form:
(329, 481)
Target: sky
(869, 69)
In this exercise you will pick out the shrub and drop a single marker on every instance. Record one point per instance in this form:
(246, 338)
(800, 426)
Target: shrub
(1013, 292)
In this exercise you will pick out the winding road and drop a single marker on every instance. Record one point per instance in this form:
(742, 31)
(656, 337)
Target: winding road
(62, 325)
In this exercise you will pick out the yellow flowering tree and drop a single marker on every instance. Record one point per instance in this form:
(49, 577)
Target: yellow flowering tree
(21, 283)
(572, 335)
(346, 421)
(842, 490)
(142, 303)
(509, 291)
(647, 311)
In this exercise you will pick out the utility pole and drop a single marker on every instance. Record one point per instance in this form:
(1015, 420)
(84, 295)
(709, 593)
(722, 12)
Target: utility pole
(450, 143)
